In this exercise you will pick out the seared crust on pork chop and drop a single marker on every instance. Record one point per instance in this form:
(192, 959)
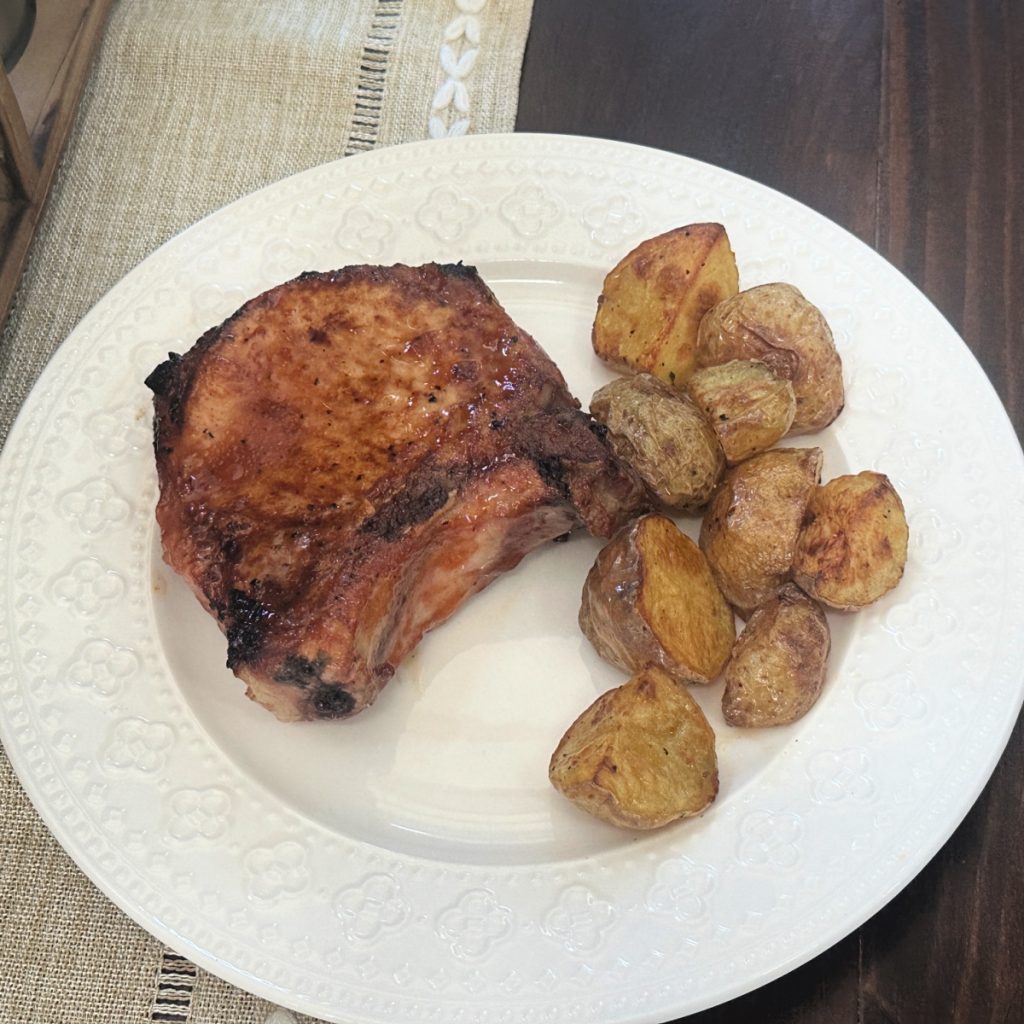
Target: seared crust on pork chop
(350, 456)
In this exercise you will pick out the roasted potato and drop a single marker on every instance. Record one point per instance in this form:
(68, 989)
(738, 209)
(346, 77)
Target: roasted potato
(746, 404)
(650, 599)
(664, 437)
(853, 545)
(640, 756)
(750, 529)
(777, 325)
(777, 668)
(654, 299)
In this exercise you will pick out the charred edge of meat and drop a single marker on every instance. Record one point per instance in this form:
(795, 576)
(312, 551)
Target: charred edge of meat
(341, 275)
(230, 549)
(169, 389)
(413, 504)
(171, 381)
(459, 269)
(552, 472)
(248, 619)
(331, 700)
(559, 448)
(376, 272)
(231, 539)
(163, 378)
(557, 435)
(297, 670)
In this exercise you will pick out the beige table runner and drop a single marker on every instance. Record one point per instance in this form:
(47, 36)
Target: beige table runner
(190, 105)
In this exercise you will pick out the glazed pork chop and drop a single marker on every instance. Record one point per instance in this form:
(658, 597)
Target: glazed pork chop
(350, 456)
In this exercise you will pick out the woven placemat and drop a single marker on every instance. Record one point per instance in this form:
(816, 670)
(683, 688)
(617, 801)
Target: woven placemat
(189, 106)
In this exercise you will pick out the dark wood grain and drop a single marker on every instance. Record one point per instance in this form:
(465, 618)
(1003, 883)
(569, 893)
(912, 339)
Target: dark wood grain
(951, 194)
(904, 123)
(733, 83)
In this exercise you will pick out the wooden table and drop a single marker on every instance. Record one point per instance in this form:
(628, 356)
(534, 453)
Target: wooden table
(904, 123)
(38, 100)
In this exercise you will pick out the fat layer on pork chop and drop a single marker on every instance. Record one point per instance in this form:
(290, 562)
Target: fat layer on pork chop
(349, 457)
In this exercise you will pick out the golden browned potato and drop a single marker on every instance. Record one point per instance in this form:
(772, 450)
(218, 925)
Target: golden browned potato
(650, 599)
(640, 756)
(853, 546)
(653, 300)
(776, 324)
(746, 404)
(777, 668)
(664, 437)
(750, 528)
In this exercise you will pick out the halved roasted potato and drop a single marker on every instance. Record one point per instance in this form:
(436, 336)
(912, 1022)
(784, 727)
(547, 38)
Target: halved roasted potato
(777, 668)
(747, 405)
(640, 756)
(750, 529)
(777, 325)
(653, 301)
(650, 599)
(662, 434)
(853, 545)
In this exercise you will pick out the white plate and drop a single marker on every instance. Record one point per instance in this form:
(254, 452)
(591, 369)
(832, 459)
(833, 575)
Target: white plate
(413, 863)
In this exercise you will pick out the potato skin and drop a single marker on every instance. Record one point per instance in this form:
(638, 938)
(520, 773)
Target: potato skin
(777, 325)
(653, 300)
(749, 532)
(747, 405)
(777, 668)
(853, 545)
(642, 755)
(662, 434)
(650, 599)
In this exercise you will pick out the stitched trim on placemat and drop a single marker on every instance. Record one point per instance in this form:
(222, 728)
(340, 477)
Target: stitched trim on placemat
(450, 107)
(175, 981)
(373, 68)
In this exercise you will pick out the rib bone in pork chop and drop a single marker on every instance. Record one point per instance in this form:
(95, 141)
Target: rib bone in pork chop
(350, 456)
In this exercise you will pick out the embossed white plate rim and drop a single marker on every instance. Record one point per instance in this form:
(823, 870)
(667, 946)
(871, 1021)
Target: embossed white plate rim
(651, 984)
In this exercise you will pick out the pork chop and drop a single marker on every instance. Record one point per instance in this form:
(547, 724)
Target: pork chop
(350, 456)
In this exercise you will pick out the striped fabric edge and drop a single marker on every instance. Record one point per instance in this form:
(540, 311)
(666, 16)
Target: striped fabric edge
(175, 983)
(373, 68)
